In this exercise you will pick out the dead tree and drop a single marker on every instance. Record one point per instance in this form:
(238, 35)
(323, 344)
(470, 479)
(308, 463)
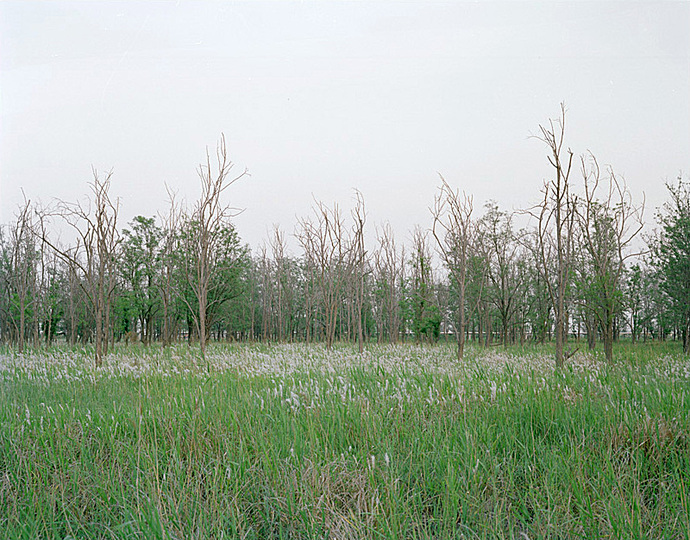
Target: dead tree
(609, 221)
(358, 257)
(48, 286)
(282, 281)
(94, 256)
(22, 274)
(209, 220)
(388, 271)
(166, 281)
(266, 294)
(555, 217)
(454, 232)
(309, 292)
(325, 250)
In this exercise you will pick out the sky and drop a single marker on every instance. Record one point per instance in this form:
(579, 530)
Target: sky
(316, 99)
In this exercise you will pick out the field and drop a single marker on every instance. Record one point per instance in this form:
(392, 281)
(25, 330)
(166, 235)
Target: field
(293, 441)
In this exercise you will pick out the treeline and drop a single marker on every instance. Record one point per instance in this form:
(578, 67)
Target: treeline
(581, 269)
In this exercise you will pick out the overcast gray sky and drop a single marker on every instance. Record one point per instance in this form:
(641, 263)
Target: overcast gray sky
(318, 98)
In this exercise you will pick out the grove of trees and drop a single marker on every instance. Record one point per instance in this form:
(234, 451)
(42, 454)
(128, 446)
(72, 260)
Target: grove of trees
(580, 269)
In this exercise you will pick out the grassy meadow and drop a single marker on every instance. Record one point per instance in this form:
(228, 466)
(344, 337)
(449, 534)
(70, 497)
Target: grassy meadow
(294, 441)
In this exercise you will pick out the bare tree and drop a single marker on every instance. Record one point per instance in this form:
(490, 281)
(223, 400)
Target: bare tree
(388, 272)
(22, 272)
(309, 292)
(454, 232)
(283, 281)
(206, 234)
(609, 222)
(325, 250)
(266, 293)
(358, 257)
(555, 217)
(94, 256)
(166, 282)
(48, 286)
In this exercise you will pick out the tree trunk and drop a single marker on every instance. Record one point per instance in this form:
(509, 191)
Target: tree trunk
(202, 329)
(608, 342)
(106, 327)
(166, 331)
(460, 331)
(608, 331)
(22, 324)
(591, 328)
(560, 358)
(504, 323)
(360, 302)
(98, 338)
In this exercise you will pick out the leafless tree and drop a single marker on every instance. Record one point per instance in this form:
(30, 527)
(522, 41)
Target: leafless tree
(266, 293)
(389, 265)
(47, 285)
(74, 289)
(555, 217)
(609, 221)
(309, 293)
(208, 223)
(166, 282)
(358, 264)
(454, 231)
(325, 249)
(22, 275)
(94, 255)
(283, 282)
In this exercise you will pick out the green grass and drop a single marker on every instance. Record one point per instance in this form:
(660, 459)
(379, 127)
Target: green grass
(402, 443)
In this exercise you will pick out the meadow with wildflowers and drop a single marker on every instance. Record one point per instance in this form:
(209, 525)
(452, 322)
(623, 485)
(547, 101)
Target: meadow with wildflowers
(297, 441)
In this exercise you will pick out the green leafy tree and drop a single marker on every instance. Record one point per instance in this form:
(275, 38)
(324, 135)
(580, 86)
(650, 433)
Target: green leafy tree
(608, 223)
(140, 269)
(53, 307)
(507, 280)
(224, 281)
(426, 317)
(634, 293)
(671, 249)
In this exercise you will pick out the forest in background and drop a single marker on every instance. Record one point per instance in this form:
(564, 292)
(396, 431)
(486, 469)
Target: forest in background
(582, 270)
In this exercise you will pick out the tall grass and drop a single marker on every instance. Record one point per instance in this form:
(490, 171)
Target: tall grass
(294, 441)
